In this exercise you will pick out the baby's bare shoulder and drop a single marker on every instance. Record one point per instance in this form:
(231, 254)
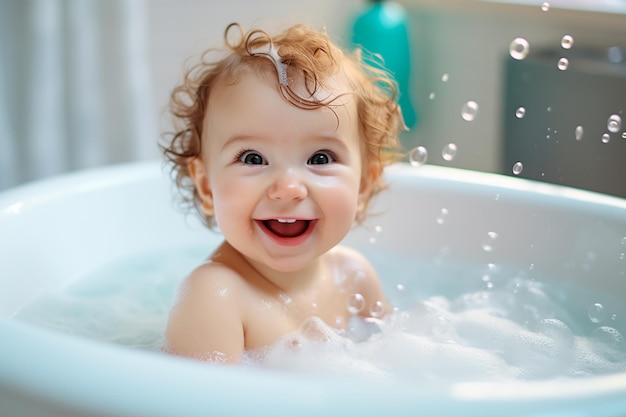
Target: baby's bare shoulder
(211, 280)
(350, 258)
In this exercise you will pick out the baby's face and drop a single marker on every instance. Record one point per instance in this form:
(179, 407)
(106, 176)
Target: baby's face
(284, 183)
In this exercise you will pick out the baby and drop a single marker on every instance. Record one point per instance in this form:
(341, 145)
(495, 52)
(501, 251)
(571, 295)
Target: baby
(281, 144)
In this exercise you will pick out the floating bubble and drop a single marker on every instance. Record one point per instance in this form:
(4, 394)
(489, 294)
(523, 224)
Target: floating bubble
(377, 309)
(549, 109)
(356, 303)
(606, 138)
(431, 96)
(491, 238)
(567, 41)
(578, 133)
(519, 48)
(614, 124)
(445, 78)
(469, 111)
(623, 135)
(518, 167)
(596, 313)
(563, 64)
(449, 152)
(442, 217)
(520, 112)
(418, 156)
(400, 287)
(545, 6)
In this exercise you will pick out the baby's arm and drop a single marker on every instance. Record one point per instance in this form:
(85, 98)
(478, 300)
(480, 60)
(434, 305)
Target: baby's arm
(205, 321)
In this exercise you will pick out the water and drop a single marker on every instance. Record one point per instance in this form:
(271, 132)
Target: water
(448, 152)
(519, 48)
(452, 321)
(418, 156)
(567, 41)
(469, 111)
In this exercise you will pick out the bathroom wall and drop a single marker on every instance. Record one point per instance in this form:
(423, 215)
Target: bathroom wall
(467, 40)
(183, 29)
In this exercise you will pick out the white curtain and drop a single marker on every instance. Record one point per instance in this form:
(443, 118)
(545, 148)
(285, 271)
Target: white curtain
(75, 89)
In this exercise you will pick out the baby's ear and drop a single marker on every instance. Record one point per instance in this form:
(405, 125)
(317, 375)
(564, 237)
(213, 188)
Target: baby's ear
(198, 172)
(369, 182)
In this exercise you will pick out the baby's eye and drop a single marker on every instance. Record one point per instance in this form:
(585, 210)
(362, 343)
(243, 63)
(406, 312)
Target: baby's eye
(251, 158)
(321, 158)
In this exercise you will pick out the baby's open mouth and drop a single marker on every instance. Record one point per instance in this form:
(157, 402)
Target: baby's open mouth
(286, 228)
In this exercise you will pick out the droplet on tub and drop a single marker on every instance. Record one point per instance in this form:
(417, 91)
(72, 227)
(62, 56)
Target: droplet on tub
(356, 303)
(614, 124)
(606, 138)
(518, 49)
(596, 313)
(518, 167)
(449, 152)
(469, 111)
(418, 156)
(520, 112)
(567, 41)
(563, 64)
(579, 132)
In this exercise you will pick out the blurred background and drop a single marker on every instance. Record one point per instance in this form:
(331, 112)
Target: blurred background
(85, 83)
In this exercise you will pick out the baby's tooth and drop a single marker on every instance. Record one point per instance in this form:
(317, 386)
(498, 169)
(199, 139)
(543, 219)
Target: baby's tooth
(286, 220)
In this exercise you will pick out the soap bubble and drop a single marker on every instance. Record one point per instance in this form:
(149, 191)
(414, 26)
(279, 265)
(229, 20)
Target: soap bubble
(567, 41)
(442, 217)
(614, 124)
(431, 96)
(623, 135)
(377, 309)
(518, 167)
(518, 49)
(545, 6)
(563, 64)
(596, 313)
(449, 152)
(469, 110)
(606, 138)
(491, 238)
(445, 78)
(418, 156)
(356, 303)
(579, 132)
(520, 112)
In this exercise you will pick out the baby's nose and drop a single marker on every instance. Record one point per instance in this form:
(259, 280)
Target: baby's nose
(288, 186)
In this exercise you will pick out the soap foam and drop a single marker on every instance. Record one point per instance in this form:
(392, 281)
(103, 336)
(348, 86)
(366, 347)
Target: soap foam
(480, 336)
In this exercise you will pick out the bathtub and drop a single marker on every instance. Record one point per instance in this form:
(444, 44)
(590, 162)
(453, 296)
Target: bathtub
(58, 230)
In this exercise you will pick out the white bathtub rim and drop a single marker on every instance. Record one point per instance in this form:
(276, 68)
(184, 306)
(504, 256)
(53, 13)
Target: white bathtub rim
(550, 394)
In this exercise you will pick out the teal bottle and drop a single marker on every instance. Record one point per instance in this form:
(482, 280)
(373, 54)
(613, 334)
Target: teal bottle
(383, 28)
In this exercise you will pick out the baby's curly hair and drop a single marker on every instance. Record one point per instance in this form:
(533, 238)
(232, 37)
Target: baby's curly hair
(299, 53)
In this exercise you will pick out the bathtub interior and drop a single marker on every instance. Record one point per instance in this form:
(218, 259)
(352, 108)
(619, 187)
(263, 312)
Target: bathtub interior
(61, 230)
